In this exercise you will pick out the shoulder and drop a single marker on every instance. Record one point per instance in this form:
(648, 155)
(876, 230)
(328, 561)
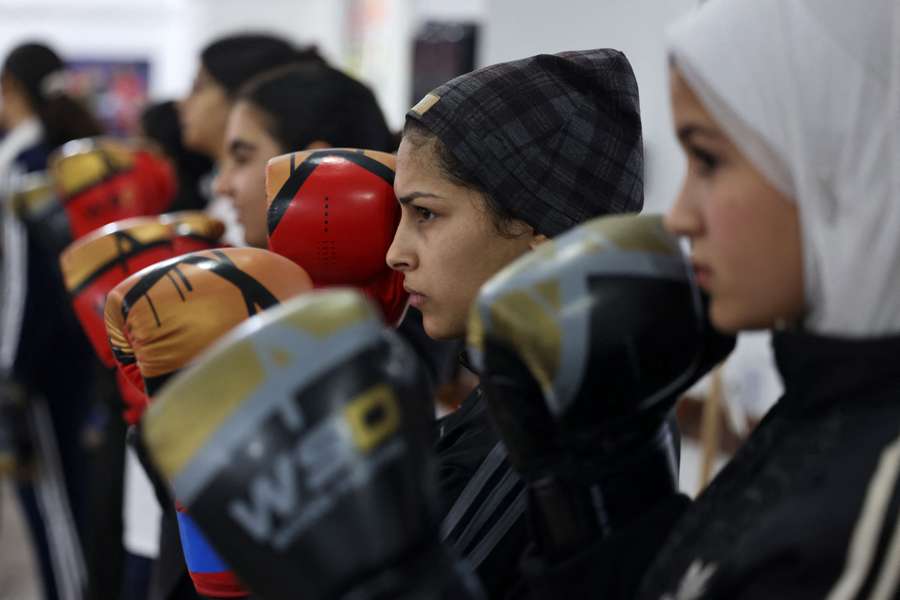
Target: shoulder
(33, 158)
(837, 533)
(463, 439)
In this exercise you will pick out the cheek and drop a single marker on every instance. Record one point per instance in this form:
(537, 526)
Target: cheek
(250, 185)
(736, 230)
(210, 111)
(754, 248)
(197, 107)
(470, 258)
(449, 263)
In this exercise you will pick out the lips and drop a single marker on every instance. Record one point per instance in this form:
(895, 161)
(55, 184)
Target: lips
(703, 274)
(416, 299)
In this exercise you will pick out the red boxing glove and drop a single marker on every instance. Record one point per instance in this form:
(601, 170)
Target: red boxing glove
(134, 398)
(155, 182)
(98, 262)
(101, 181)
(334, 213)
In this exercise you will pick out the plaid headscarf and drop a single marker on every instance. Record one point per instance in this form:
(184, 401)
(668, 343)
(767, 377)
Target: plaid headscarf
(555, 139)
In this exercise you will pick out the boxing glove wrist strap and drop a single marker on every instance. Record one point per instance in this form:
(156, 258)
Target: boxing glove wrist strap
(584, 499)
(427, 573)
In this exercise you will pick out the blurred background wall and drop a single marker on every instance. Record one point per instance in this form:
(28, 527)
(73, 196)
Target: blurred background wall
(373, 39)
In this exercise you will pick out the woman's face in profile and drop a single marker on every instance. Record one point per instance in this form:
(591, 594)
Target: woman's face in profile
(446, 245)
(203, 115)
(242, 170)
(745, 234)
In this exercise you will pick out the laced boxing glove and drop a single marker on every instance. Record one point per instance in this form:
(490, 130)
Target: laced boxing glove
(584, 345)
(334, 213)
(301, 443)
(100, 181)
(99, 261)
(162, 317)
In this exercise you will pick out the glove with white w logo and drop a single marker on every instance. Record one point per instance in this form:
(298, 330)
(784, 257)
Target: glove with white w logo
(300, 445)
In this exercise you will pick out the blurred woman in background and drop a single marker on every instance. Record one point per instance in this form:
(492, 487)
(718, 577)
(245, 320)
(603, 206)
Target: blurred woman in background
(290, 109)
(160, 126)
(39, 116)
(225, 65)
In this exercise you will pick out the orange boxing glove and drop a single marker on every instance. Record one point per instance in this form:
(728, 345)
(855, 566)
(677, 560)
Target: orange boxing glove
(193, 230)
(334, 213)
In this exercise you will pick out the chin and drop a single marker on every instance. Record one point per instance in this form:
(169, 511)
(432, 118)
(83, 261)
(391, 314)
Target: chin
(731, 318)
(440, 331)
(256, 241)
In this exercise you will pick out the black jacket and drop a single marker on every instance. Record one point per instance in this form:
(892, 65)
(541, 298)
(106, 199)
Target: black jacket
(484, 505)
(808, 505)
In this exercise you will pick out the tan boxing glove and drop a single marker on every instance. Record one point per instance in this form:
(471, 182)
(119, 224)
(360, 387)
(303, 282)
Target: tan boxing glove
(163, 317)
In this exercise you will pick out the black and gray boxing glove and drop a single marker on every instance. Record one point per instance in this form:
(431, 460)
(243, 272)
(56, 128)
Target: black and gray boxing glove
(299, 445)
(584, 345)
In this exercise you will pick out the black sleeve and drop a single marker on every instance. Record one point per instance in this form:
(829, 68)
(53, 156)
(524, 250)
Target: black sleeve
(490, 531)
(611, 569)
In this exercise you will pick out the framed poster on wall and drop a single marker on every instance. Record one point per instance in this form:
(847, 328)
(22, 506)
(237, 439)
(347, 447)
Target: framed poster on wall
(114, 90)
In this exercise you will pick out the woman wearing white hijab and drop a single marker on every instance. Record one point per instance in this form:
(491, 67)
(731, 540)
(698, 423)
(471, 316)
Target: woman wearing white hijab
(789, 112)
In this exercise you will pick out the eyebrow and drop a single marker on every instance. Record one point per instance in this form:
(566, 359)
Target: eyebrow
(687, 132)
(404, 200)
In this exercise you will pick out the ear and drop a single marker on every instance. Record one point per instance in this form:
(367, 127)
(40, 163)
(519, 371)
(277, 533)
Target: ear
(537, 240)
(318, 145)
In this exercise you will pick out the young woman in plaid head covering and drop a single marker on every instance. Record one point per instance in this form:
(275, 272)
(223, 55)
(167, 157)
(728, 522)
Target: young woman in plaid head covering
(491, 164)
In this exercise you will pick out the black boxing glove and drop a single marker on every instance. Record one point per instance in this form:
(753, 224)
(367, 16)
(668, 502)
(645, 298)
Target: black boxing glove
(299, 444)
(584, 345)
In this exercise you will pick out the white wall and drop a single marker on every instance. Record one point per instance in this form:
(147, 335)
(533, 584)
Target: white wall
(518, 28)
(170, 34)
(93, 29)
(199, 22)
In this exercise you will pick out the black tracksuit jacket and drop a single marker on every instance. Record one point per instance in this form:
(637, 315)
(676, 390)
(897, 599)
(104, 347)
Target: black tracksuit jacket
(808, 507)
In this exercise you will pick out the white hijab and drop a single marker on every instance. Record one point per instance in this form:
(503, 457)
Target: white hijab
(809, 90)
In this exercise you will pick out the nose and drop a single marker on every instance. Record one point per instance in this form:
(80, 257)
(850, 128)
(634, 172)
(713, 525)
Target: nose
(401, 256)
(685, 218)
(181, 107)
(222, 183)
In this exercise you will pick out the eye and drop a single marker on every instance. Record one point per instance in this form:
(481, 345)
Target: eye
(240, 159)
(423, 214)
(707, 162)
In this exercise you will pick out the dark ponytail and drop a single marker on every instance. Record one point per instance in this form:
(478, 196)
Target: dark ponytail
(314, 102)
(40, 72)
